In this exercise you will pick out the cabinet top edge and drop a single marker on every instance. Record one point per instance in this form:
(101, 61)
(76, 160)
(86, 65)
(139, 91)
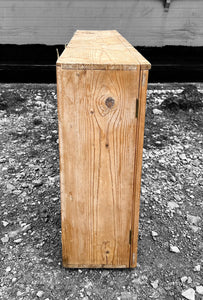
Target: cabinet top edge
(104, 67)
(101, 49)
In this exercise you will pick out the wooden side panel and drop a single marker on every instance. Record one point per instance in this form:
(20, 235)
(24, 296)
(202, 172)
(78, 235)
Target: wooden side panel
(97, 126)
(138, 165)
(143, 23)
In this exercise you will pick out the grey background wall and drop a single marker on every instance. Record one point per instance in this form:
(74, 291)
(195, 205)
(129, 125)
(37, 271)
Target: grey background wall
(142, 22)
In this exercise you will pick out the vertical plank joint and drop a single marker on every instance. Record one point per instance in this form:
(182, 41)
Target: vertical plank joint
(130, 236)
(137, 108)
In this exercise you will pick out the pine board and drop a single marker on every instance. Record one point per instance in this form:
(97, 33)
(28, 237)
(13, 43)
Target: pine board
(97, 143)
(101, 49)
(138, 166)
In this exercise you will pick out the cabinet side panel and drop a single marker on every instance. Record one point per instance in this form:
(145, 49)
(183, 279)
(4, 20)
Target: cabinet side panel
(138, 165)
(97, 126)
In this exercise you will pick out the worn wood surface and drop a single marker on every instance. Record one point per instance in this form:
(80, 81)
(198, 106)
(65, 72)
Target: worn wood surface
(97, 126)
(101, 50)
(138, 165)
(101, 87)
(143, 23)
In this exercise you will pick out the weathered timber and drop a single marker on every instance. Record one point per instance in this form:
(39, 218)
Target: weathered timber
(101, 79)
(143, 23)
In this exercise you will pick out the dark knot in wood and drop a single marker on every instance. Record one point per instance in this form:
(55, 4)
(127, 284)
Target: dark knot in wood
(109, 102)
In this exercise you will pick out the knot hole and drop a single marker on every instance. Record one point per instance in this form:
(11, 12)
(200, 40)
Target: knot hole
(110, 102)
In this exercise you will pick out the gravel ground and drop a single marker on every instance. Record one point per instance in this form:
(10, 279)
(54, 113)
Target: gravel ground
(170, 253)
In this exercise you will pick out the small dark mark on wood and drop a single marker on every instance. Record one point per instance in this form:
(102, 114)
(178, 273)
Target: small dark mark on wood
(110, 102)
(167, 5)
(107, 145)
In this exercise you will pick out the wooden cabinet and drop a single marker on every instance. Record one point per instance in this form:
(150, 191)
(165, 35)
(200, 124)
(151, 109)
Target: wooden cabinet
(101, 88)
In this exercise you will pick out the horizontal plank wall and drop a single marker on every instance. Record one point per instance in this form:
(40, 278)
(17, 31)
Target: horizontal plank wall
(142, 22)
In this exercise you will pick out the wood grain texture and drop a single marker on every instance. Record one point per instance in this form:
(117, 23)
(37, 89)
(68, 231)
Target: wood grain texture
(97, 125)
(138, 165)
(102, 50)
(143, 23)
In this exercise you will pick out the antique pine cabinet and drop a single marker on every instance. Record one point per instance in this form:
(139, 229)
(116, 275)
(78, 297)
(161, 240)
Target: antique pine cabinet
(101, 91)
